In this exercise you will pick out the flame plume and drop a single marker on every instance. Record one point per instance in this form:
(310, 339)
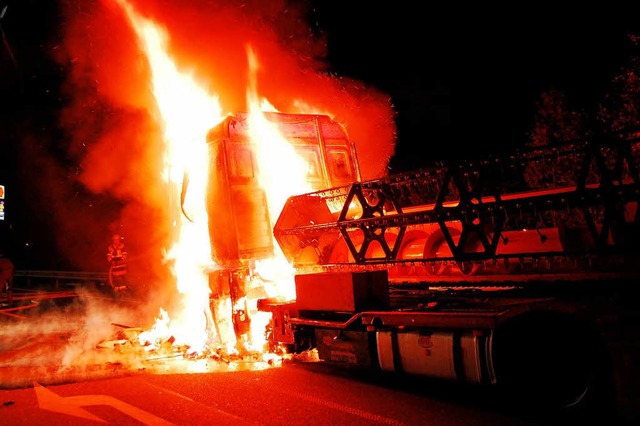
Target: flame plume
(146, 80)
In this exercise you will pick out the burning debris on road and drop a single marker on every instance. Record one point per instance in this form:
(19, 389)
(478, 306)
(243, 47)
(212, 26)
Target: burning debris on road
(132, 340)
(67, 343)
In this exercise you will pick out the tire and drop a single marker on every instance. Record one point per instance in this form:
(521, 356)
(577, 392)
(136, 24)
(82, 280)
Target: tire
(549, 363)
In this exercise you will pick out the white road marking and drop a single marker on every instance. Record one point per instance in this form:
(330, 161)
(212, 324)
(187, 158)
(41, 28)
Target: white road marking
(208, 407)
(345, 409)
(72, 406)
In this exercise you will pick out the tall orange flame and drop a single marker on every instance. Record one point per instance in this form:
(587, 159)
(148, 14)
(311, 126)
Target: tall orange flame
(187, 112)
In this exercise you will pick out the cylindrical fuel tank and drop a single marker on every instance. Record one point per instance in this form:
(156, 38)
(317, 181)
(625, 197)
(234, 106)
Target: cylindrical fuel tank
(439, 354)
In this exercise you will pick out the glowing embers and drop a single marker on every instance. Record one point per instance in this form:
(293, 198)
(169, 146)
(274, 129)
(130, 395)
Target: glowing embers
(164, 352)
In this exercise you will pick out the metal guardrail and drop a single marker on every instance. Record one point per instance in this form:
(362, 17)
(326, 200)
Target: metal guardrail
(62, 277)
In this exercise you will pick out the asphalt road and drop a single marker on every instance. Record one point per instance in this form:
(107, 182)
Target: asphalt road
(57, 369)
(61, 366)
(287, 395)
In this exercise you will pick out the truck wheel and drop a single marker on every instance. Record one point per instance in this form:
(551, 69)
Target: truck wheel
(551, 363)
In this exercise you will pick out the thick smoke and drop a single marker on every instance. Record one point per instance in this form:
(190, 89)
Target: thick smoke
(111, 124)
(71, 342)
(106, 172)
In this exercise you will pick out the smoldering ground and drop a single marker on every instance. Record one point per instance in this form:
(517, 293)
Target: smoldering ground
(91, 337)
(58, 341)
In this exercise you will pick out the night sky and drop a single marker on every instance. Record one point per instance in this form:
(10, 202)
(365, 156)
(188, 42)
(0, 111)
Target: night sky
(463, 81)
(471, 75)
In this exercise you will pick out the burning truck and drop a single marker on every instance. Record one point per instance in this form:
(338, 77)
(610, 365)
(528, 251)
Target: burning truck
(514, 271)
(240, 216)
(463, 272)
(241, 211)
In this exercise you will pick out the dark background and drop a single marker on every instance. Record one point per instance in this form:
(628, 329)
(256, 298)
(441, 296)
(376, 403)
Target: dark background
(463, 80)
(468, 77)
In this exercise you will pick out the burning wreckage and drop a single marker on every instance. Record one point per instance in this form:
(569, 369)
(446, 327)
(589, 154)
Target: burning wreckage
(518, 271)
(246, 221)
(452, 272)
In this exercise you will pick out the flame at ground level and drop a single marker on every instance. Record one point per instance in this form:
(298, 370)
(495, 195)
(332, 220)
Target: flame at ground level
(67, 344)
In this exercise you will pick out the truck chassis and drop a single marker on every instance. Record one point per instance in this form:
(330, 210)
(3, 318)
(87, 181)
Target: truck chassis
(516, 271)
